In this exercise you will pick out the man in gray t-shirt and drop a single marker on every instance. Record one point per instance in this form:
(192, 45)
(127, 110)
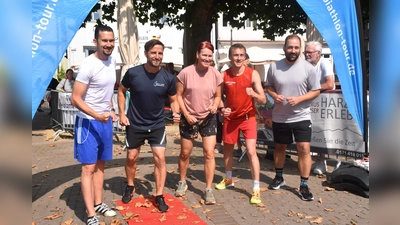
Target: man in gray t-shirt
(292, 83)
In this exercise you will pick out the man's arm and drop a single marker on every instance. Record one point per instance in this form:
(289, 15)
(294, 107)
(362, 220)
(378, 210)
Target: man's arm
(124, 121)
(329, 83)
(308, 96)
(258, 93)
(78, 92)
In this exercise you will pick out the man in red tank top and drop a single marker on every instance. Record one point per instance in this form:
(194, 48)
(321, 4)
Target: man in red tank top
(242, 85)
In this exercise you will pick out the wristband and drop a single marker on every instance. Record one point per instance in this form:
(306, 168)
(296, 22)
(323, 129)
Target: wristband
(220, 108)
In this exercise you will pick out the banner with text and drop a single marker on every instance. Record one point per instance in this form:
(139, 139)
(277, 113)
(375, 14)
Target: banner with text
(337, 23)
(54, 24)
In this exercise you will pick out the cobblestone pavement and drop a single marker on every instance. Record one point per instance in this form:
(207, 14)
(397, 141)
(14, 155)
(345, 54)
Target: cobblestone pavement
(56, 186)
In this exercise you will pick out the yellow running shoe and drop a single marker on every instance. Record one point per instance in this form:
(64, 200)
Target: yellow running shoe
(256, 197)
(224, 184)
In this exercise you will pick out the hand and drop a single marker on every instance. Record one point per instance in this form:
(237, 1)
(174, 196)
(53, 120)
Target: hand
(226, 112)
(292, 100)
(103, 117)
(114, 116)
(279, 99)
(176, 117)
(191, 119)
(250, 92)
(212, 109)
(124, 121)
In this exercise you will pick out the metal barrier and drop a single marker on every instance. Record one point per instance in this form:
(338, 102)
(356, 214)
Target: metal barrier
(64, 114)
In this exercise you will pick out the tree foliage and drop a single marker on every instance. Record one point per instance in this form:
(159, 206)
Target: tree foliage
(273, 17)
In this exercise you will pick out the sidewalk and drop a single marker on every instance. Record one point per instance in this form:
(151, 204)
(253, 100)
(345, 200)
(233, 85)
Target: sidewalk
(56, 186)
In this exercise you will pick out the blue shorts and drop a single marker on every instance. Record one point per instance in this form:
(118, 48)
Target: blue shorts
(93, 140)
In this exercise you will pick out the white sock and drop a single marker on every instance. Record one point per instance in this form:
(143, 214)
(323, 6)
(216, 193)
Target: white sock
(182, 181)
(229, 174)
(256, 185)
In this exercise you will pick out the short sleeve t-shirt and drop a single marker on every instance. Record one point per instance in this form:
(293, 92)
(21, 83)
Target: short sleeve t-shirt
(100, 76)
(199, 89)
(292, 80)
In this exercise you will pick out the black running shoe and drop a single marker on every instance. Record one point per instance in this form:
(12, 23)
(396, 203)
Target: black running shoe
(161, 203)
(277, 183)
(127, 197)
(305, 193)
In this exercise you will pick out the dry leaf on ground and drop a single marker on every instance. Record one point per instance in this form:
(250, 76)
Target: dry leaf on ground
(182, 217)
(52, 145)
(52, 217)
(329, 210)
(263, 189)
(329, 189)
(163, 218)
(260, 205)
(68, 222)
(120, 208)
(320, 200)
(196, 206)
(317, 221)
(115, 222)
(56, 209)
(352, 222)
(207, 210)
(202, 201)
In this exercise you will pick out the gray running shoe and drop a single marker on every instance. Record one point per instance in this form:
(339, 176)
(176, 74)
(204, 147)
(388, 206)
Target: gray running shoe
(209, 198)
(181, 190)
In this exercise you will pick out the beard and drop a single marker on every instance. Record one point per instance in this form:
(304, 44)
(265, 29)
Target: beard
(292, 57)
(153, 63)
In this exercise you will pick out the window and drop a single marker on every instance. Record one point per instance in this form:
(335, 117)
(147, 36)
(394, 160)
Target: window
(89, 50)
(224, 21)
(96, 15)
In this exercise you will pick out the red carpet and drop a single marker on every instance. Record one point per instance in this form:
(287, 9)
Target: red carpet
(143, 210)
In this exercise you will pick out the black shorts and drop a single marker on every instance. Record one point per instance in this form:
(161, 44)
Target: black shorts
(284, 132)
(155, 138)
(206, 127)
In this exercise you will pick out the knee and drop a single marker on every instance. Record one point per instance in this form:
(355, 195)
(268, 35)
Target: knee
(208, 155)
(184, 155)
(131, 156)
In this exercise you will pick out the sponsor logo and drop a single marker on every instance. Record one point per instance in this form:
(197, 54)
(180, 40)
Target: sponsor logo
(156, 84)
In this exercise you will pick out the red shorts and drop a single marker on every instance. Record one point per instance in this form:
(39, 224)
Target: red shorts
(230, 130)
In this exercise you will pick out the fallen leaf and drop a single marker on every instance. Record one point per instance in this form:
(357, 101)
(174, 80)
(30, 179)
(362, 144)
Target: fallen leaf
(52, 145)
(144, 181)
(320, 200)
(329, 189)
(346, 192)
(196, 222)
(260, 205)
(33, 223)
(138, 204)
(291, 213)
(243, 217)
(51, 196)
(352, 222)
(155, 210)
(115, 222)
(128, 215)
(68, 222)
(263, 189)
(207, 210)
(301, 216)
(329, 210)
(242, 197)
(33, 166)
(52, 217)
(196, 206)
(147, 204)
(56, 209)
(184, 210)
(182, 217)
(171, 171)
(45, 175)
(273, 221)
(208, 217)
(163, 218)
(277, 192)
(202, 201)
(317, 221)
(120, 208)
(311, 217)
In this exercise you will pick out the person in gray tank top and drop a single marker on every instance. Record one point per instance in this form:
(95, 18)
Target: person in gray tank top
(292, 82)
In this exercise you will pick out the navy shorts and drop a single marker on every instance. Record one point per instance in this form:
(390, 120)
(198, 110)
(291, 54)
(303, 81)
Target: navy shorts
(206, 127)
(93, 140)
(284, 132)
(136, 138)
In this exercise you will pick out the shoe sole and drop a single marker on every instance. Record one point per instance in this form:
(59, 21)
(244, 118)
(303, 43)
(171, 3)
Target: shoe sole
(210, 203)
(279, 186)
(305, 199)
(181, 195)
(226, 186)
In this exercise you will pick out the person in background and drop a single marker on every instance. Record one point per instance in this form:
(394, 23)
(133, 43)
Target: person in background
(242, 86)
(293, 83)
(149, 85)
(199, 94)
(93, 139)
(67, 83)
(324, 69)
(171, 69)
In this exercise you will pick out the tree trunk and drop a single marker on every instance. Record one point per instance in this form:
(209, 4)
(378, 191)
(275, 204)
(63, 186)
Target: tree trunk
(198, 31)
